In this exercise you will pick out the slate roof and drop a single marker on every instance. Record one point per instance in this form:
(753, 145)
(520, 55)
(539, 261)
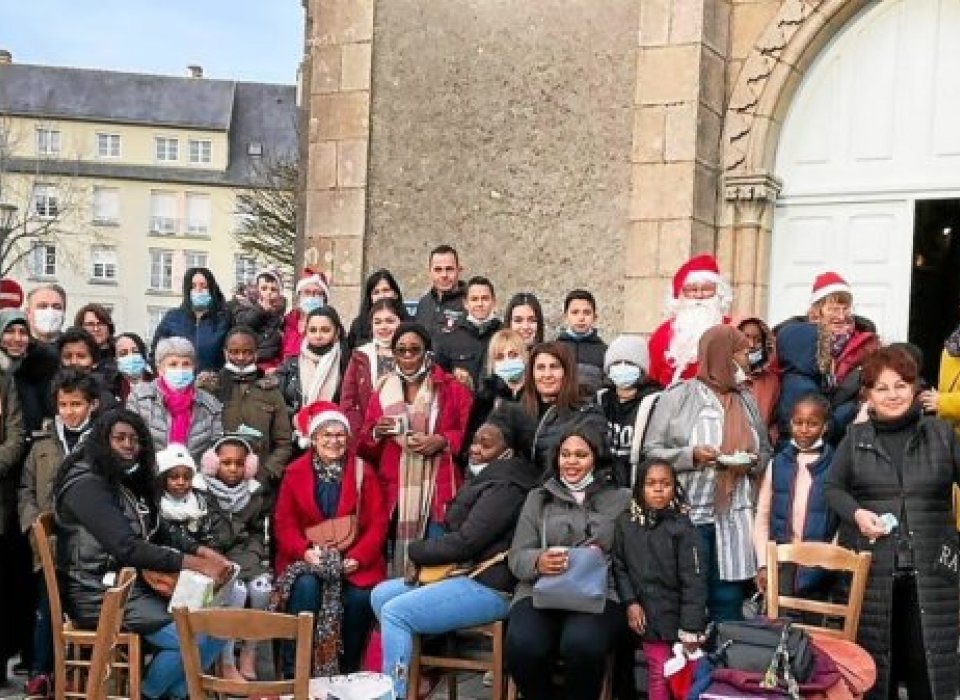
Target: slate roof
(251, 113)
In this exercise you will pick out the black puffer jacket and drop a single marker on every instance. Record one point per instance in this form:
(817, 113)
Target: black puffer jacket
(588, 352)
(465, 346)
(268, 327)
(480, 521)
(863, 476)
(659, 563)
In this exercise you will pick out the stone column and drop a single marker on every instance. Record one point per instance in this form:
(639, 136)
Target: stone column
(676, 147)
(337, 103)
(744, 251)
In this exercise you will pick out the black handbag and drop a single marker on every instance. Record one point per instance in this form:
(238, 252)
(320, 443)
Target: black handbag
(767, 647)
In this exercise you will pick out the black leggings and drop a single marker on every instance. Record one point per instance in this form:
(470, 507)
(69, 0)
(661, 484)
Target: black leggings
(908, 660)
(537, 638)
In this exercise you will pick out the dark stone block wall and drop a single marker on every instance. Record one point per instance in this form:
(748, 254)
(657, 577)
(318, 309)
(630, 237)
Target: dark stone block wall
(504, 128)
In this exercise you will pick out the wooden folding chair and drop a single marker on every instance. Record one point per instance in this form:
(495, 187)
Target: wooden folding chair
(452, 662)
(108, 631)
(257, 625)
(825, 556)
(73, 647)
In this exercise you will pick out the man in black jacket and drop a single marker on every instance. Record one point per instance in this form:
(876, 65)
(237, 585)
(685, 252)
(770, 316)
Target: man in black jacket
(464, 348)
(439, 309)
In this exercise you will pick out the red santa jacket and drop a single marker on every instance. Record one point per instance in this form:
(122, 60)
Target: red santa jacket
(661, 370)
(297, 510)
(453, 411)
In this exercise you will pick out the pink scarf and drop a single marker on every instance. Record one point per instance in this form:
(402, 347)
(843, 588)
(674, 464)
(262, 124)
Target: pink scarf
(180, 407)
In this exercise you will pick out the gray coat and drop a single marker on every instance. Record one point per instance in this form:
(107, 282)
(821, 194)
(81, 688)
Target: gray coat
(552, 509)
(205, 425)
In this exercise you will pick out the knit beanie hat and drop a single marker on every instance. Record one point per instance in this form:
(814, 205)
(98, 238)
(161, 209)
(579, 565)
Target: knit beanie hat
(627, 348)
(176, 455)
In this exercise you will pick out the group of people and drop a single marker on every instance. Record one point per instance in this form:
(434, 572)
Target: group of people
(332, 470)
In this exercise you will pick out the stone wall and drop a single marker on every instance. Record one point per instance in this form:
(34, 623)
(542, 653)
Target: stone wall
(505, 129)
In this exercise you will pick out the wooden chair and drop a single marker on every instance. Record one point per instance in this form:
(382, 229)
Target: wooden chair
(826, 556)
(72, 647)
(449, 664)
(606, 690)
(257, 625)
(108, 630)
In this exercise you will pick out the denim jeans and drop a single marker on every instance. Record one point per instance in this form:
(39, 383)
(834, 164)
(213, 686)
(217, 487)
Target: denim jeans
(165, 675)
(306, 595)
(724, 598)
(42, 634)
(405, 610)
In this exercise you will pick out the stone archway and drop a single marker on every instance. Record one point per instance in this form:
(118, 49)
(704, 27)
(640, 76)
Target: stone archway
(759, 100)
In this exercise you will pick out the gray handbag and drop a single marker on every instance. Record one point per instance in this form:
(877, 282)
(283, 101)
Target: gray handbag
(581, 588)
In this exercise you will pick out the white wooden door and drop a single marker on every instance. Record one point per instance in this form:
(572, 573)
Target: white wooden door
(872, 128)
(868, 243)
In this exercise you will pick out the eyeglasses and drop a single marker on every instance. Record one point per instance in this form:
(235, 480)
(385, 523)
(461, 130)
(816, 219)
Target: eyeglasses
(94, 324)
(408, 350)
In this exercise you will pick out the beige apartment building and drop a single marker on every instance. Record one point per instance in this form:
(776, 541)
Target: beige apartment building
(136, 177)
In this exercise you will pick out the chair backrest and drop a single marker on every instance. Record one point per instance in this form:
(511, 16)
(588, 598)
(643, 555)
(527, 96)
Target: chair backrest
(825, 556)
(108, 630)
(256, 625)
(42, 530)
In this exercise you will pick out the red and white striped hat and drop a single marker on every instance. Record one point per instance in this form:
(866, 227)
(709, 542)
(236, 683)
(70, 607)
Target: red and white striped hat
(312, 416)
(826, 284)
(308, 277)
(700, 268)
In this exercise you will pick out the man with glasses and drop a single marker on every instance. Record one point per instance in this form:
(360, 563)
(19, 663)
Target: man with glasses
(700, 300)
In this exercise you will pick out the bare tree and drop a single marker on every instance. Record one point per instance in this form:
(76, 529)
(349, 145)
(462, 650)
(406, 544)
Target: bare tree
(267, 215)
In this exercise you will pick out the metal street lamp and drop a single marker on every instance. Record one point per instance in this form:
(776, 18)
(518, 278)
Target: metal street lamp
(8, 216)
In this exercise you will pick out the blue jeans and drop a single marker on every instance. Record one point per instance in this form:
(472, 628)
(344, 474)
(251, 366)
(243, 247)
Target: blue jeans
(42, 634)
(724, 598)
(164, 675)
(306, 595)
(405, 610)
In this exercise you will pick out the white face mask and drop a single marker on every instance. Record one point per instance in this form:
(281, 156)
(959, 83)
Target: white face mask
(48, 320)
(739, 374)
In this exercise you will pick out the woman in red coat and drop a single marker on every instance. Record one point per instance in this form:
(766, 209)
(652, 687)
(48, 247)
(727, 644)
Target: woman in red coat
(321, 484)
(415, 423)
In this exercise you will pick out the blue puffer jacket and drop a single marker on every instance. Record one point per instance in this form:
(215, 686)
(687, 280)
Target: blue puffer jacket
(207, 334)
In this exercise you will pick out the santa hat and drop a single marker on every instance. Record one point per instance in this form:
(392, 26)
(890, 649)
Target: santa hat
(309, 277)
(176, 455)
(11, 294)
(826, 284)
(312, 416)
(702, 268)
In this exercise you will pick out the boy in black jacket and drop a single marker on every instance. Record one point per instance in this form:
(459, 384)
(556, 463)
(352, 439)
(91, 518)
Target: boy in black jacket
(580, 336)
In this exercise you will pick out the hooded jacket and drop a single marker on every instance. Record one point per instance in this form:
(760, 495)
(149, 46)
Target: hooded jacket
(33, 374)
(207, 333)
(480, 521)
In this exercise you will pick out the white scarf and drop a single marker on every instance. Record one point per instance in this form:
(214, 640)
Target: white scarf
(182, 510)
(319, 374)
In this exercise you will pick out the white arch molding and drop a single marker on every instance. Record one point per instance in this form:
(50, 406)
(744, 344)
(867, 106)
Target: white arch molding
(872, 127)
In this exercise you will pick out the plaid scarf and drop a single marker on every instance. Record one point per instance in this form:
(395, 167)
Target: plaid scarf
(327, 639)
(418, 474)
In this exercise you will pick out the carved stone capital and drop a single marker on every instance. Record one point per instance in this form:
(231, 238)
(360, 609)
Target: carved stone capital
(752, 187)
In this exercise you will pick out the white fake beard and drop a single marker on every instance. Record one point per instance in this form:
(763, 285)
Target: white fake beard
(692, 319)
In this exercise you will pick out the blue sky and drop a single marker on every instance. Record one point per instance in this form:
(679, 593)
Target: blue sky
(252, 40)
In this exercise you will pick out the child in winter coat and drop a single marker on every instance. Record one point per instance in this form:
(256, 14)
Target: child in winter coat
(660, 570)
(76, 394)
(230, 468)
(791, 506)
(182, 506)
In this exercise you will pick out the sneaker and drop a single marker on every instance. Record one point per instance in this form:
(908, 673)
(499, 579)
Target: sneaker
(39, 686)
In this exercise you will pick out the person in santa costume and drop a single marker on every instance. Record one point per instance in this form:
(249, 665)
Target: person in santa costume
(700, 299)
(311, 292)
(823, 355)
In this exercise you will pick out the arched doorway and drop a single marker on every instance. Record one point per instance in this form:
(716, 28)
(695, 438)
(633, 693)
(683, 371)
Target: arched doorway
(869, 149)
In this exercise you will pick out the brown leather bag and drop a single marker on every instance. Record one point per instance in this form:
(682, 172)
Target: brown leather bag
(339, 533)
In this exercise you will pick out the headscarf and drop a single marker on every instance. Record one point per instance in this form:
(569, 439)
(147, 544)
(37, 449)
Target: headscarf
(716, 370)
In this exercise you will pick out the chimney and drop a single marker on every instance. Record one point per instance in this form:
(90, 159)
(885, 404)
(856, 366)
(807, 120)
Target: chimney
(195, 71)
(6, 58)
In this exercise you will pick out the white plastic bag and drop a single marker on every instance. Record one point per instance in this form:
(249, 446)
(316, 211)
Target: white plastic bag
(195, 590)
(355, 686)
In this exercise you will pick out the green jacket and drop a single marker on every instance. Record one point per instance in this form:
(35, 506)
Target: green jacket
(36, 484)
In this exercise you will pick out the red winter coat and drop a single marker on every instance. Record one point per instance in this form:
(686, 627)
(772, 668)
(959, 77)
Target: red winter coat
(356, 390)
(292, 338)
(297, 510)
(453, 411)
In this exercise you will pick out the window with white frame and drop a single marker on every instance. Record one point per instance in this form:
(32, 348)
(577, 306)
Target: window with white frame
(106, 205)
(108, 145)
(46, 201)
(103, 264)
(163, 212)
(244, 269)
(194, 258)
(154, 316)
(161, 270)
(198, 213)
(167, 149)
(43, 260)
(200, 151)
(48, 142)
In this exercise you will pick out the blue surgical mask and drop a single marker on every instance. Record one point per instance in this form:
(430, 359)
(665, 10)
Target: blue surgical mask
(624, 375)
(310, 304)
(510, 370)
(200, 300)
(178, 378)
(131, 365)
